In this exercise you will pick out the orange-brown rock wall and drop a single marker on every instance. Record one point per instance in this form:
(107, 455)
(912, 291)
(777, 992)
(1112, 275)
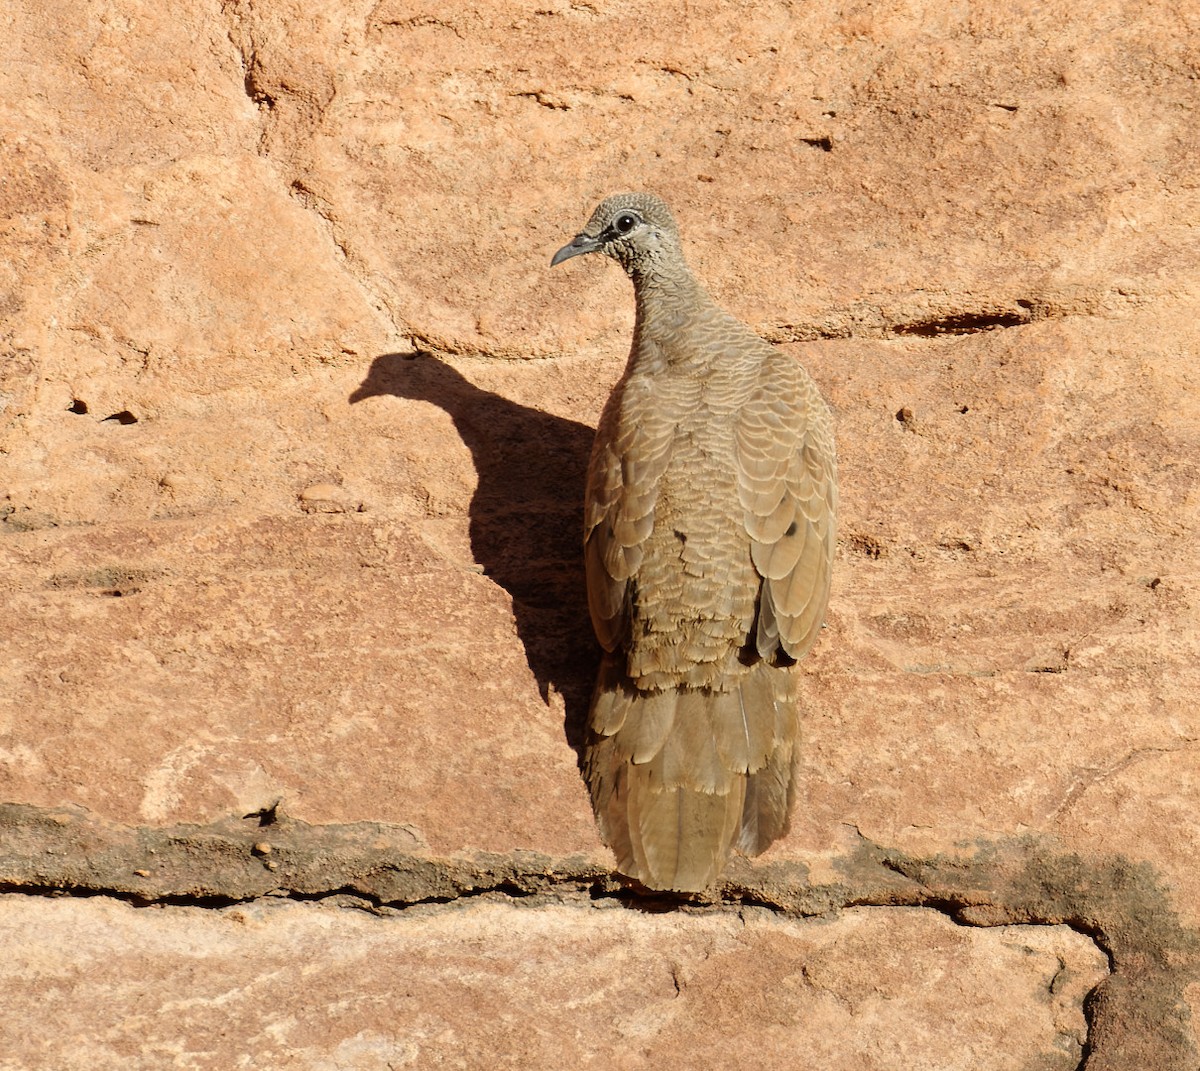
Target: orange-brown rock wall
(293, 420)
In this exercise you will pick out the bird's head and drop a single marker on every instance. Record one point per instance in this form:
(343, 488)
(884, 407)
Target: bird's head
(635, 229)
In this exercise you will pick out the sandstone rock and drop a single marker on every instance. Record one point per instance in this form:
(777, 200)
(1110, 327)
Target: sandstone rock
(330, 498)
(284, 984)
(251, 250)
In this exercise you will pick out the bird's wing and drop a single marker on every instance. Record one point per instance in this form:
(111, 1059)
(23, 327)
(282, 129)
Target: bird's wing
(628, 459)
(787, 483)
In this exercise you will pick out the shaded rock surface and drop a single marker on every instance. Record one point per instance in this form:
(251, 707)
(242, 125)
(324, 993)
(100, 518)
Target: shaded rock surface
(293, 421)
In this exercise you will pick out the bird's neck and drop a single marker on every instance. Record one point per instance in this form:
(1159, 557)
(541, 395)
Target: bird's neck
(669, 308)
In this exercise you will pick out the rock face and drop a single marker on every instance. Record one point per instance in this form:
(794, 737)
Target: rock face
(557, 985)
(292, 432)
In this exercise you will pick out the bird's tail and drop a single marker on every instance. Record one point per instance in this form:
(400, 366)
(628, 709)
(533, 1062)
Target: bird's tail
(679, 777)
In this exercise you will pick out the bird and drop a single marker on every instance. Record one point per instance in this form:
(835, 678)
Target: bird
(709, 537)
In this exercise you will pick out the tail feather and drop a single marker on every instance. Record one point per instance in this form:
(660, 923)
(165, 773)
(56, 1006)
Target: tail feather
(771, 785)
(680, 777)
(689, 758)
(681, 833)
(770, 792)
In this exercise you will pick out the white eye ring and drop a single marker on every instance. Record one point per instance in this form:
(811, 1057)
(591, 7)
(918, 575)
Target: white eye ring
(626, 221)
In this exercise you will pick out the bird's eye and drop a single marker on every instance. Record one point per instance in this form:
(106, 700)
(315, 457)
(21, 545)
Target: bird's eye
(626, 222)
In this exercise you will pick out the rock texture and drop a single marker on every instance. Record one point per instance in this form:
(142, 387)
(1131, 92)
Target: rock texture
(293, 425)
(579, 985)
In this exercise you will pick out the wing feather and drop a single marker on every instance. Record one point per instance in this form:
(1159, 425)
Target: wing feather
(628, 459)
(787, 486)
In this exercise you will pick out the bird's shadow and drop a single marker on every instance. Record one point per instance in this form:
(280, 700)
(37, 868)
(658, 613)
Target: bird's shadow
(526, 516)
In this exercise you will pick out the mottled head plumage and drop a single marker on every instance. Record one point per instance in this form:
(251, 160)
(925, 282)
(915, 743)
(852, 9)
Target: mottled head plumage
(636, 229)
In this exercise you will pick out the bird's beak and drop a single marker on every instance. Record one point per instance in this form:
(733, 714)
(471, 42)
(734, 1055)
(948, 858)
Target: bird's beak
(581, 243)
